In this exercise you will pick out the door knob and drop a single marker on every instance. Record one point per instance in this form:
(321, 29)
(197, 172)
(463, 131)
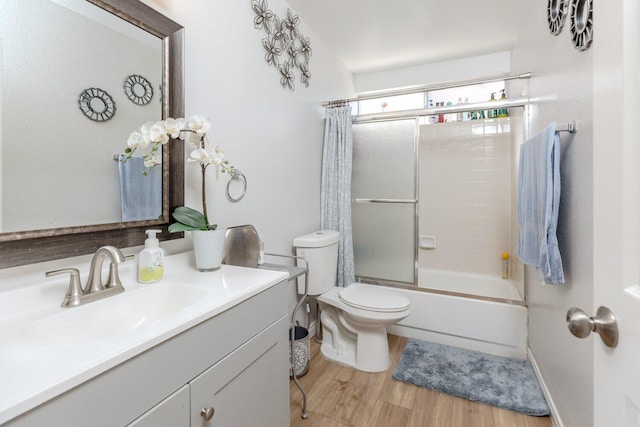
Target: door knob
(604, 323)
(207, 413)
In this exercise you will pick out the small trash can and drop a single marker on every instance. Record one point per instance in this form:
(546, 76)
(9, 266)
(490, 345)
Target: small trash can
(301, 351)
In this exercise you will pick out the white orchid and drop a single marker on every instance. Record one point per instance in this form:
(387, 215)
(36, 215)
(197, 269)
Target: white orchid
(153, 135)
(174, 127)
(192, 138)
(199, 155)
(135, 138)
(158, 133)
(198, 124)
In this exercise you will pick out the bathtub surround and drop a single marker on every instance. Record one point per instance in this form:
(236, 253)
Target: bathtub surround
(538, 204)
(499, 381)
(335, 194)
(465, 195)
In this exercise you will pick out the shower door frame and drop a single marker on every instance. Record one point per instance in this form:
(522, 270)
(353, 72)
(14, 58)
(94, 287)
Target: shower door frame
(373, 118)
(415, 201)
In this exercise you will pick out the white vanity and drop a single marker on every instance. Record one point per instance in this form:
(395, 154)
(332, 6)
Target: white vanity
(191, 347)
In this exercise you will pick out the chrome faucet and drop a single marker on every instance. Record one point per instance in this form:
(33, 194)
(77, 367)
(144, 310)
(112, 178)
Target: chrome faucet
(94, 289)
(94, 281)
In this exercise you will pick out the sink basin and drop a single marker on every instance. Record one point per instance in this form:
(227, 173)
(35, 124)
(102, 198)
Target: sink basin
(115, 315)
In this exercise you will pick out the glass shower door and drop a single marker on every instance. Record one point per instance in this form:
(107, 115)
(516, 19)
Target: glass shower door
(384, 207)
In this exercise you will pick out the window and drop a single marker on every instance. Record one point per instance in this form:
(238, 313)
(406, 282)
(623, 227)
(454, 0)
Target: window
(427, 99)
(410, 101)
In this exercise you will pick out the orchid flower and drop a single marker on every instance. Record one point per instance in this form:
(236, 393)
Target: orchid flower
(153, 135)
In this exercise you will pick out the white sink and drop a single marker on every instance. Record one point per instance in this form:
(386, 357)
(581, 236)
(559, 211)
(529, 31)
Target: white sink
(114, 315)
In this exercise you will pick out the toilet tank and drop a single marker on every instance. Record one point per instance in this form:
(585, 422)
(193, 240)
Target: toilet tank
(320, 249)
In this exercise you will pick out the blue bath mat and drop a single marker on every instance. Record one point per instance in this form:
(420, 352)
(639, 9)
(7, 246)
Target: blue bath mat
(498, 381)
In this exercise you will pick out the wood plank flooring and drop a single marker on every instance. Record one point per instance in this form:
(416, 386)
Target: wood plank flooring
(338, 396)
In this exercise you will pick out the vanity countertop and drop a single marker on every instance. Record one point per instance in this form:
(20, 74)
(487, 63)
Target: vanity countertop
(36, 367)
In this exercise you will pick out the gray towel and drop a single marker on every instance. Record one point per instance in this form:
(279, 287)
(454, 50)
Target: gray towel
(141, 195)
(538, 204)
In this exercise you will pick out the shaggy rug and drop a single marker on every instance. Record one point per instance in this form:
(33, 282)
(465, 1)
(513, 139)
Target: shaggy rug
(499, 381)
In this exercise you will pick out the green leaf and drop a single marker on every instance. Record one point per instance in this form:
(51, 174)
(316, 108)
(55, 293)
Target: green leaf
(190, 217)
(177, 227)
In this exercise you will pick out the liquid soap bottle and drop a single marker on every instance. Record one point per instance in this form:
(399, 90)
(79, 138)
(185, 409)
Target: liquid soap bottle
(150, 260)
(503, 112)
(493, 112)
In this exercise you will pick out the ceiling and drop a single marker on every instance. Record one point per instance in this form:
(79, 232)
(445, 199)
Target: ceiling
(374, 35)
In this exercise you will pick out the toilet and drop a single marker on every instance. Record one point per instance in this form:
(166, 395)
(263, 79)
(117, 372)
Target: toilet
(354, 318)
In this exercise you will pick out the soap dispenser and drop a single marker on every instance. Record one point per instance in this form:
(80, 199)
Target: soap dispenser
(150, 261)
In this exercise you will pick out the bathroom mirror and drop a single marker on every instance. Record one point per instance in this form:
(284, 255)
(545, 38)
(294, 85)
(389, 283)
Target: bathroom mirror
(46, 240)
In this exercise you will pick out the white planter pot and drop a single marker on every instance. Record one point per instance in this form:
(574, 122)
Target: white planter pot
(208, 248)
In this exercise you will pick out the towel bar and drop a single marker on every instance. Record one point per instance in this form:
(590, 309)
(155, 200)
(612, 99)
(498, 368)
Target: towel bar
(571, 127)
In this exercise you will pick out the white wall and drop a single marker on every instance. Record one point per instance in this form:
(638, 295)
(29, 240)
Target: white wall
(562, 83)
(436, 73)
(274, 136)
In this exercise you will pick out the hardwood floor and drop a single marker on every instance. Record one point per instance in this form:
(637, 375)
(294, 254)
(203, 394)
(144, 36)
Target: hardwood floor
(338, 396)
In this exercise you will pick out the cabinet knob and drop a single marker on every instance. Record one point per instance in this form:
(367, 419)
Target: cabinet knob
(207, 413)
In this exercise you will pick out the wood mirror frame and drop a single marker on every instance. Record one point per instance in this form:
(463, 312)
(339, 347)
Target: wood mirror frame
(27, 247)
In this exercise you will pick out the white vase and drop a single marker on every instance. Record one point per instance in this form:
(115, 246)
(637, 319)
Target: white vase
(208, 248)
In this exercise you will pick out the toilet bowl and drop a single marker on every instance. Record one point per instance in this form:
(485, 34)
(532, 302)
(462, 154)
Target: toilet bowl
(354, 318)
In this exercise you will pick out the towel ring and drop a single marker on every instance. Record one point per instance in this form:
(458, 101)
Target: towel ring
(236, 175)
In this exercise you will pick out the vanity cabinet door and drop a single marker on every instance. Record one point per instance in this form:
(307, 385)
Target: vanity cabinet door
(171, 412)
(249, 387)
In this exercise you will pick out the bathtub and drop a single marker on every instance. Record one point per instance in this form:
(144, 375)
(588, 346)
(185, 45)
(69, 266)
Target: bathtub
(476, 312)
(467, 283)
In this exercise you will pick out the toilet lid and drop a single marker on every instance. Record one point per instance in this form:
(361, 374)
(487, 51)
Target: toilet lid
(374, 299)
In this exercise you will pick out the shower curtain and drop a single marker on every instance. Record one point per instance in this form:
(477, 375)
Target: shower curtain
(335, 197)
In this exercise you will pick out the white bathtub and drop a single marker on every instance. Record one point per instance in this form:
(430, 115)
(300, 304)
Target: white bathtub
(492, 326)
(467, 283)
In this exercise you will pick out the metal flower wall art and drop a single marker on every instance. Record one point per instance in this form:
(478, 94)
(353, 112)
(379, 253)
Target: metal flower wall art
(286, 48)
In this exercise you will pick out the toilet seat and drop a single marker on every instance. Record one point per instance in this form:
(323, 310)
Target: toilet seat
(373, 299)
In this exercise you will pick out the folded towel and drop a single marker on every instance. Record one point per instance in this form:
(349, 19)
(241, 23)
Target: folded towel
(538, 203)
(141, 195)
